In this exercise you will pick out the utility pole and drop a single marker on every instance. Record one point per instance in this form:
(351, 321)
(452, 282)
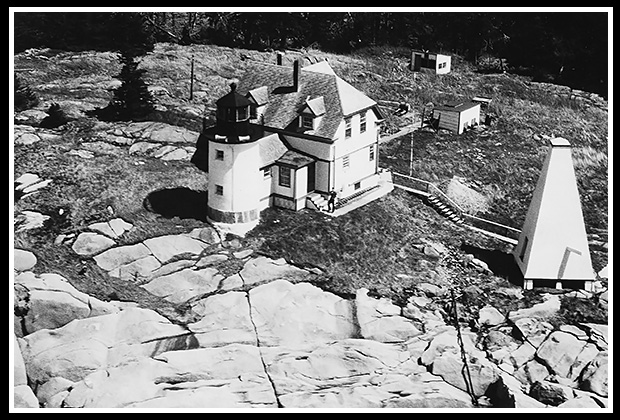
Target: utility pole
(411, 144)
(191, 80)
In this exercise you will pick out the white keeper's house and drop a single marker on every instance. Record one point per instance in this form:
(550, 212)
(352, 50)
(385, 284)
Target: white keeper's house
(287, 136)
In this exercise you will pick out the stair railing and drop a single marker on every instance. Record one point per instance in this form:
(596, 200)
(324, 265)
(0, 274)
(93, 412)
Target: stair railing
(475, 221)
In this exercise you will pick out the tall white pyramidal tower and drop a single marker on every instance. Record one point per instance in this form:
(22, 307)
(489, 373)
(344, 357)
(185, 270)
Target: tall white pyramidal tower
(553, 246)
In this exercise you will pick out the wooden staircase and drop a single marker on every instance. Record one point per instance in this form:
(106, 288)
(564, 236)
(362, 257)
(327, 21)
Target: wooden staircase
(444, 209)
(437, 199)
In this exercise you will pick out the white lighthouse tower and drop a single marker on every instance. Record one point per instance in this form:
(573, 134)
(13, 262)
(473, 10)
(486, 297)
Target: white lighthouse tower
(233, 153)
(553, 246)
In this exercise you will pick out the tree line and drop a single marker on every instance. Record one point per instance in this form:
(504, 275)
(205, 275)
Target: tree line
(562, 47)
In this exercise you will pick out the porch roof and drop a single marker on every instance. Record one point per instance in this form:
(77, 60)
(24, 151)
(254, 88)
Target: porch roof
(295, 159)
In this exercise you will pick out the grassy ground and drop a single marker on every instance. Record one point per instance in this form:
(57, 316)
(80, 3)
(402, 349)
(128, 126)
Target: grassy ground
(374, 246)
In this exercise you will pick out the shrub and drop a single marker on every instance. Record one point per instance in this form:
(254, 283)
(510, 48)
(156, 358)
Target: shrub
(55, 117)
(24, 98)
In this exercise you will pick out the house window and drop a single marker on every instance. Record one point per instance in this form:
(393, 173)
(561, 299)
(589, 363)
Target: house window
(219, 190)
(371, 152)
(266, 173)
(219, 155)
(347, 128)
(362, 123)
(285, 176)
(307, 122)
(345, 161)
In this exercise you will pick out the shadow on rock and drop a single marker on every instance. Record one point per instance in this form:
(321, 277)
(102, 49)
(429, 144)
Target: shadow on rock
(181, 202)
(502, 264)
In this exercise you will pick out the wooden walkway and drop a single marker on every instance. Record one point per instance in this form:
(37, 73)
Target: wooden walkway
(402, 132)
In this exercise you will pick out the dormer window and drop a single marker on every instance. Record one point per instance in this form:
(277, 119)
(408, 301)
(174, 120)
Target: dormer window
(311, 112)
(307, 121)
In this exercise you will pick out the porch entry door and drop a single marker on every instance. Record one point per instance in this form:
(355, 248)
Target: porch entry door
(311, 177)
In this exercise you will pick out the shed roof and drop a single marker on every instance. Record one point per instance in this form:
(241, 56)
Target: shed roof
(340, 99)
(457, 106)
(295, 159)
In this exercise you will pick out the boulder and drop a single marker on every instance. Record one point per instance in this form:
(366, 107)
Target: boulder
(231, 282)
(228, 377)
(47, 392)
(533, 330)
(443, 358)
(594, 377)
(84, 346)
(531, 371)
(431, 290)
(53, 302)
(166, 247)
(225, 319)
(212, 259)
(296, 314)
(580, 402)
(19, 369)
(177, 154)
(88, 243)
(113, 228)
(143, 148)
(559, 352)
(598, 334)
(507, 392)
(523, 354)
(544, 310)
(23, 260)
(24, 135)
(550, 393)
(183, 285)
(243, 254)
(263, 269)
(27, 220)
(332, 373)
(489, 315)
(589, 352)
(121, 255)
(380, 320)
(24, 397)
(207, 235)
(138, 271)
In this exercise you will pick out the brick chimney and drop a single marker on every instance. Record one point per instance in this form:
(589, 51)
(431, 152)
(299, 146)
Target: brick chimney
(295, 75)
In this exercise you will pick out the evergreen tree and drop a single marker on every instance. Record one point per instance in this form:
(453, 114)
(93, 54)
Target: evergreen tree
(132, 101)
(23, 97)
(55, 117)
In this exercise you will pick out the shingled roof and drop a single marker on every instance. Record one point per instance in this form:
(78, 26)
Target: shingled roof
(340, 99)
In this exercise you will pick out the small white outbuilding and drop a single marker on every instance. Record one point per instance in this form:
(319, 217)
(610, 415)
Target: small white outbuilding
(457, 116)
(553, 246)
(439, 63)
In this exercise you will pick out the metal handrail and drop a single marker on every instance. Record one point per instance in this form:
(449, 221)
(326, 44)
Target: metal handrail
(429, 187)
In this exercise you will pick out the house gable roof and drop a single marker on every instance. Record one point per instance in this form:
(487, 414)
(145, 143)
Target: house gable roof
(340, 99)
